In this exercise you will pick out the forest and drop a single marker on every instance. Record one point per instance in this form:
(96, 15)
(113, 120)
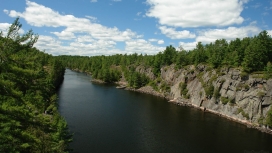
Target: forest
(29, 78)
(251, 54)
(29, 117)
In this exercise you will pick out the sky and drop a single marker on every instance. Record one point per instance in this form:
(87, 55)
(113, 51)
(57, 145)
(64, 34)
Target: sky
(107, 27)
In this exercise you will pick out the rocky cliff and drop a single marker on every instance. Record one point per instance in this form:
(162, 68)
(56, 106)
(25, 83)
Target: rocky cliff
(226, 91)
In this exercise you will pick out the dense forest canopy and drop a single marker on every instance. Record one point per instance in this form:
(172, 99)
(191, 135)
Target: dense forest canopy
(29, 119)
(251, 54)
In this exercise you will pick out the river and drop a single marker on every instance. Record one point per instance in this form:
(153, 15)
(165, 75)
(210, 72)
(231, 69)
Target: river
(105, 119)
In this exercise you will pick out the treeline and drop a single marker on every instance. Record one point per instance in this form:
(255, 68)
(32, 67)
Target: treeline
(29, 118)
(250, 54)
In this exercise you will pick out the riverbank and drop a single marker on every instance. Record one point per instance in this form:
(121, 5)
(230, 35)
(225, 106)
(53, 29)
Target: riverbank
(185, 102)
(244, 122)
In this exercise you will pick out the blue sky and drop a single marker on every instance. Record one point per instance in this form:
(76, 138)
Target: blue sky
(106, 27)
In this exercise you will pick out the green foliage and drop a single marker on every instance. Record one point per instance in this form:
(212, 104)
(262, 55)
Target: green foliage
(137, 80)
(200, 93)
(154, 85)
(268, 70)
(165, 87)
(239, 87)
(216, 93)
(224, 100)
(244, 75)
(257, 53)
(29, 119)
(269, 117)
(184, 90)
(209, 90)
(240, 110)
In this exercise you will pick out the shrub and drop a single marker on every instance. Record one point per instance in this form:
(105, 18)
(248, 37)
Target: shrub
(224, 100)
(216, 93)
(240, 110)
(165, 87)
(183, 89)
(222, 73)
(244, 75)
(269, 117)
(209, 90)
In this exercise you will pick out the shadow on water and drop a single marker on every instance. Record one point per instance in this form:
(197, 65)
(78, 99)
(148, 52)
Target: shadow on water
(106, 119)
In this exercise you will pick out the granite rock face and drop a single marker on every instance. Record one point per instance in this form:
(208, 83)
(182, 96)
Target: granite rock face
(239, 96)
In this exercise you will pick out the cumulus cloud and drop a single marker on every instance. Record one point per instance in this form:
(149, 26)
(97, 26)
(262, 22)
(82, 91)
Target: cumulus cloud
(80, 36)
(160, 42)
(93, 19)
(230, 33)
(269, 32)
(142, 46)
(188, 13)
(39, 15)
(152, 40)
(4, 27)
(173, 34)
(188, 45)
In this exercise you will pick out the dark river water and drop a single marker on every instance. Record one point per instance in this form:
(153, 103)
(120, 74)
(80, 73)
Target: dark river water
(108, 120)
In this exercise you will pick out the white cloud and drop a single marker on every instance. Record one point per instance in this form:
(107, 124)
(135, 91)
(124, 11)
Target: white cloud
(117, 0)
(38, 15)
(152, 40)
(139, 13)
(81, 36)
(4, 27)
(196, 13)
(188, 45)
(82, 46)
(65, 35)
(5, 11)
(173, 34)
(230, 33)
(142, 46)
(160, 42)
(269, 32)
(93, 1)
(93, 19)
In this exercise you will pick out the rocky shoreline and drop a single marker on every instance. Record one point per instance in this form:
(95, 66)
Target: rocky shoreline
(244, 122)
(185, 102)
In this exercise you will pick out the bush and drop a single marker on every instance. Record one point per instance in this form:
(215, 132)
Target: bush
(209, 90)
(224, 100)
(268, 72)
(165, 87)
(240, 110)
(244, 75)
(269, 117)
(183, 89)
(216, 93)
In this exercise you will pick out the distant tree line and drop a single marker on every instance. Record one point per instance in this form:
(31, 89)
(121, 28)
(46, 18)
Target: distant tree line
(250, 53)
(29, 118)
